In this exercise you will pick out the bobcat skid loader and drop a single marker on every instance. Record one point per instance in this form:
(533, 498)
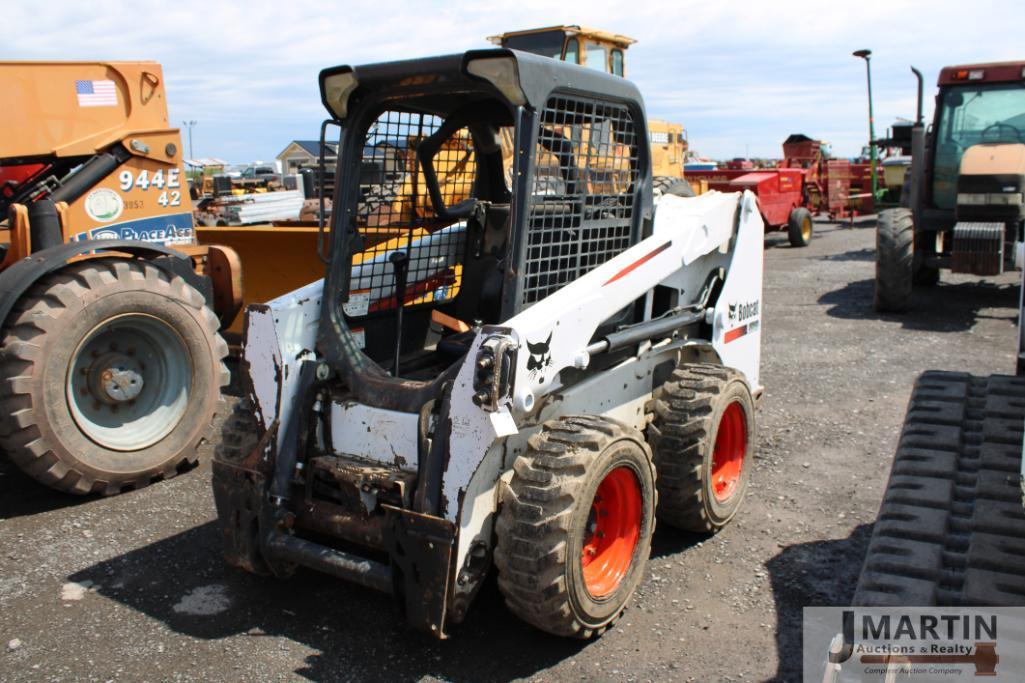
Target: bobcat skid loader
(519, 368)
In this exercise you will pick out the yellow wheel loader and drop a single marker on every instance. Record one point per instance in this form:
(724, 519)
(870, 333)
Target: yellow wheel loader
(605, 51)
(111, 365)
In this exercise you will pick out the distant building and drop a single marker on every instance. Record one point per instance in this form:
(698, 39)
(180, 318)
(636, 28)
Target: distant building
(301, 153)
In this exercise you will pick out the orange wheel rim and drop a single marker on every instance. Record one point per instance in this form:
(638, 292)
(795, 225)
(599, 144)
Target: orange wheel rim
(613, 529)
(730, 449)
(806, 229)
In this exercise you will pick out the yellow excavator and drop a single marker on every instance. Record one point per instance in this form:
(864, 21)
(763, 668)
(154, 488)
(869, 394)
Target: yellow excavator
(111, 364)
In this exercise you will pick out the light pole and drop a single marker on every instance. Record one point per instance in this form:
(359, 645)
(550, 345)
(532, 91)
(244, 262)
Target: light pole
(188, 125)
(866, 55)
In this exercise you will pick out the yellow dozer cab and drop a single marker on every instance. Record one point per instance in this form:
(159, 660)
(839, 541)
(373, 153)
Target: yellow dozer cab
(111, 365)
(605, 51)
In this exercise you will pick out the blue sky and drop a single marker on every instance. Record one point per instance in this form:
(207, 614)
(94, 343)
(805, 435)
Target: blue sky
(739, 75)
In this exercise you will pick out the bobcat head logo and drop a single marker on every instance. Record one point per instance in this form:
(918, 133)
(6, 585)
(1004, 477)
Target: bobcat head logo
(540, 358)
(733, 311)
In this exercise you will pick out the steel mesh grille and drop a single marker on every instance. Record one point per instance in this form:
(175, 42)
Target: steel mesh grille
(395, 213)
(581, 205)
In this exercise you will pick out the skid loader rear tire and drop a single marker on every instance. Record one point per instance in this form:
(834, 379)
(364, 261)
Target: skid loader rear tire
(575, 527)
(800, 227)
(110, 377)
(702, 440)
(666, 184)
(238, 493)
(895, 244)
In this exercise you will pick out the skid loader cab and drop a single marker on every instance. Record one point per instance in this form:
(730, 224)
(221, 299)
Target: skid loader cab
(488, 332)
(473, 242)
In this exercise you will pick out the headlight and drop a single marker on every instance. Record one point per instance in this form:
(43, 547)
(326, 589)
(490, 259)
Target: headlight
(502, 72)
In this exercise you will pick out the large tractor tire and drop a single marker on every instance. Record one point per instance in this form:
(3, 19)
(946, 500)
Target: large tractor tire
(237, 492)
(702, 441)
(667, 184)
(800, 227)
(110, 377)
(951, 528)
(575, 527)
(895, 247)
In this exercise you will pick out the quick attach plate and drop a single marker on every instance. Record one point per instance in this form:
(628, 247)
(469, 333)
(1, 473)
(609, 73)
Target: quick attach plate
(421, 548)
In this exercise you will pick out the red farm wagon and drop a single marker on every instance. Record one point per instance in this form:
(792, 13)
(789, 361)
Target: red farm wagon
(803, 184)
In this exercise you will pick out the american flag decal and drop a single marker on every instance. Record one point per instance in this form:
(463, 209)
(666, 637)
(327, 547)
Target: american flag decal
(96, 93)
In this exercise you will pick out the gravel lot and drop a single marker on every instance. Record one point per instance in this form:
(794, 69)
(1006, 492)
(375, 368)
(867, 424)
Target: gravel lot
(133, 588)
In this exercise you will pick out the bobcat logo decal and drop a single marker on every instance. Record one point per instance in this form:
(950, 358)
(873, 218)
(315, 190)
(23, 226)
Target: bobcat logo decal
(540, 358)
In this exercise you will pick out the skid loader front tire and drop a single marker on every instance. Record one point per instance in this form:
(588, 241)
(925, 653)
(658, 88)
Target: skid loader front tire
(110, 376)
(575, 527)
(895, 244)
(237, 492)
(800, 227)
(702, 441)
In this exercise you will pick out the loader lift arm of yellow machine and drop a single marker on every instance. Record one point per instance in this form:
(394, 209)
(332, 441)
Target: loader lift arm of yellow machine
(111, 364)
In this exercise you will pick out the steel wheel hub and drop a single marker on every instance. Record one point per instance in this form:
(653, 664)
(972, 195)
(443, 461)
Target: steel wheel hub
(116, 378)
(128, 382)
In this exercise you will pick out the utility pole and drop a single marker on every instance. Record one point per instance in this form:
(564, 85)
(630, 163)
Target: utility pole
(866, 55)
(188, 126)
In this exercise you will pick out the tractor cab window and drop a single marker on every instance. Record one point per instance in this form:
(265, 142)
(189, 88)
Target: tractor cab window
(572, 51)
(617, 62)
(971, 115)
(545, 43)
(597, 57)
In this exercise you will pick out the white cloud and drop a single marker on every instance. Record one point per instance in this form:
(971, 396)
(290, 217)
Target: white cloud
(736, 74)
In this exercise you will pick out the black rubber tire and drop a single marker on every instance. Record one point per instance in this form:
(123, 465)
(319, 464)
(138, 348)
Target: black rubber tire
(951, 527)
(667, 184)
(238, 493)
(544, 516)
(37, 429)
(800, 227)
(895, 246)
(687, 413)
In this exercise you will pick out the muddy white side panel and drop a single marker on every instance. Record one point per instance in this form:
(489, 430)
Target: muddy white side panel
(280, 335)
(737, 322)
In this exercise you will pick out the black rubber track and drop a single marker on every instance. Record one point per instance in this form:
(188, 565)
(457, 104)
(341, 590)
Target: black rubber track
(951, 529)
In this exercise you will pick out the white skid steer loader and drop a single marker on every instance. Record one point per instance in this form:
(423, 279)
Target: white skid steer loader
(514, 358)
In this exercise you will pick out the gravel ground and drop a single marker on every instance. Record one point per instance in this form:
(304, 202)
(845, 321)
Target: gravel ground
(133, 588)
